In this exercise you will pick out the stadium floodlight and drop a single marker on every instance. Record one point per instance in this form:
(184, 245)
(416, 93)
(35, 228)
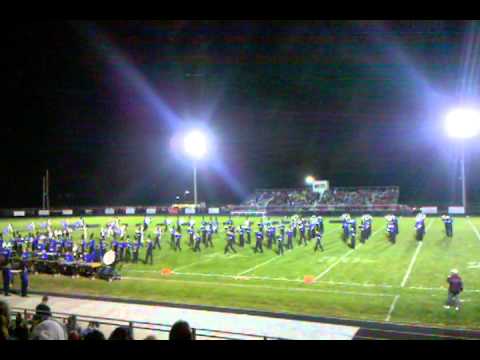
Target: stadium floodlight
(309, 180)
(195, 146)
(463, 124)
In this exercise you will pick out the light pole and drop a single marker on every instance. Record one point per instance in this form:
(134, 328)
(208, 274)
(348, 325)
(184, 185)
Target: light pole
(463, 124)
(309, 180)
(195, 146)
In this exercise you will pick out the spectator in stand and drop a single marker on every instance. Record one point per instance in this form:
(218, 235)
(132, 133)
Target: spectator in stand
(42, 311)
(72, 325)
(94, 335)
(49, 330)
(4, 321)
(4, 333)
(181, 331)
(121, 333)
(20, 331)
(92, 325)
(455, 287)
(150, 337)
(74, 336)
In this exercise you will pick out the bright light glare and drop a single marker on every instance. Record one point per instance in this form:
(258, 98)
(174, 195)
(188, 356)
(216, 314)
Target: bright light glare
(195, 144)
(309, 180)
(463, 123)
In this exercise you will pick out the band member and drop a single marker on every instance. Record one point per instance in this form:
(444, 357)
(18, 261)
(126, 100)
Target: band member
(346, 229)
(128, 251)
(248, 231)
(448, 221)
(280, 240)
(303, 239)
(172, 237)
(392, 235)
(149, 256)
(102, 248)
(241, 236)
(198, 241)
(7, 279)
(103, 234)
(395, 224)
(353, 233)
(294, 226)
(209, 236)
(420, 227)
(123, 246)
(365, 228)
(24, 280)
(318, 244)
(138, 235)
(282, 230)
(191, 237)
(230, 241)
(136, 251)
(259, 242)
(91, 244)
(320, 226)
(116, 248)
(178, 239)
(158, 238)
(290, 238)
(203, 230)
(311, 229)
(146, 222)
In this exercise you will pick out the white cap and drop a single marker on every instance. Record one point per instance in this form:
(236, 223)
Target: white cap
(454, 271)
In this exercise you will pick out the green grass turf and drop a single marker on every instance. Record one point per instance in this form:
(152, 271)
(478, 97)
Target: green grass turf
(359, 284)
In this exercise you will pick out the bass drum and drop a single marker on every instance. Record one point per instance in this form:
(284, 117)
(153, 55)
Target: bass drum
(109, 258)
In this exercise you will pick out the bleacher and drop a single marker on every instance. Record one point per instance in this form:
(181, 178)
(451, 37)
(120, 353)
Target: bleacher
(335, 199)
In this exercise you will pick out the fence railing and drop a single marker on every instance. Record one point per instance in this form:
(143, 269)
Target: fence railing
(198, 333)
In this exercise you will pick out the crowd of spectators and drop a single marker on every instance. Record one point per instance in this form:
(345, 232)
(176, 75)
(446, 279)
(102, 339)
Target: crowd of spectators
(42, 326)
(305, 197)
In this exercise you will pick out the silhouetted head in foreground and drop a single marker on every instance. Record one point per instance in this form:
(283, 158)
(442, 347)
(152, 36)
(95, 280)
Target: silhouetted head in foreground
(181, 331)
(120, 333)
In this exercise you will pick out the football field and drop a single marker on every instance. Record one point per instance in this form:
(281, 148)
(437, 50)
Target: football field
(401, 283)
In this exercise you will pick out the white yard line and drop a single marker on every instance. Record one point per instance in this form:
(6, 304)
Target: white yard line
(259, 265)
(392, 307)
(475, 230)
(210, 257)
(267, 287)
(268, 278)
(327, 270)
(414, 258)
(270, 260)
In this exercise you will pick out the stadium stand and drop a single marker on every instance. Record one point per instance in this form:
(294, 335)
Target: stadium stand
(361, 196)
(339, 199)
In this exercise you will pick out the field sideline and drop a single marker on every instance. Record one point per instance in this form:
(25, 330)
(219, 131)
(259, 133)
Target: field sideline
(402, 283)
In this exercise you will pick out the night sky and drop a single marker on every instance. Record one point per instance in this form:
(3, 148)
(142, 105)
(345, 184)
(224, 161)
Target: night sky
(354, 102)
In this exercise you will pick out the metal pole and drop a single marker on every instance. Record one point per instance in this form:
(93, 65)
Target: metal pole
(195, 199)
(464, 183)
(48, 191)
(43, 192)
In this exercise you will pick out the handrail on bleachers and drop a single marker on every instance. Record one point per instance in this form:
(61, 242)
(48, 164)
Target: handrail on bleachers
(144, 325)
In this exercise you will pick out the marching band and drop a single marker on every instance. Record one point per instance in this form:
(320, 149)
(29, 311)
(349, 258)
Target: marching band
(48, 250)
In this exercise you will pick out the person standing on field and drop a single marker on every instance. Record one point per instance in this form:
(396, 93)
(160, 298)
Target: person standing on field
(455, 287)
